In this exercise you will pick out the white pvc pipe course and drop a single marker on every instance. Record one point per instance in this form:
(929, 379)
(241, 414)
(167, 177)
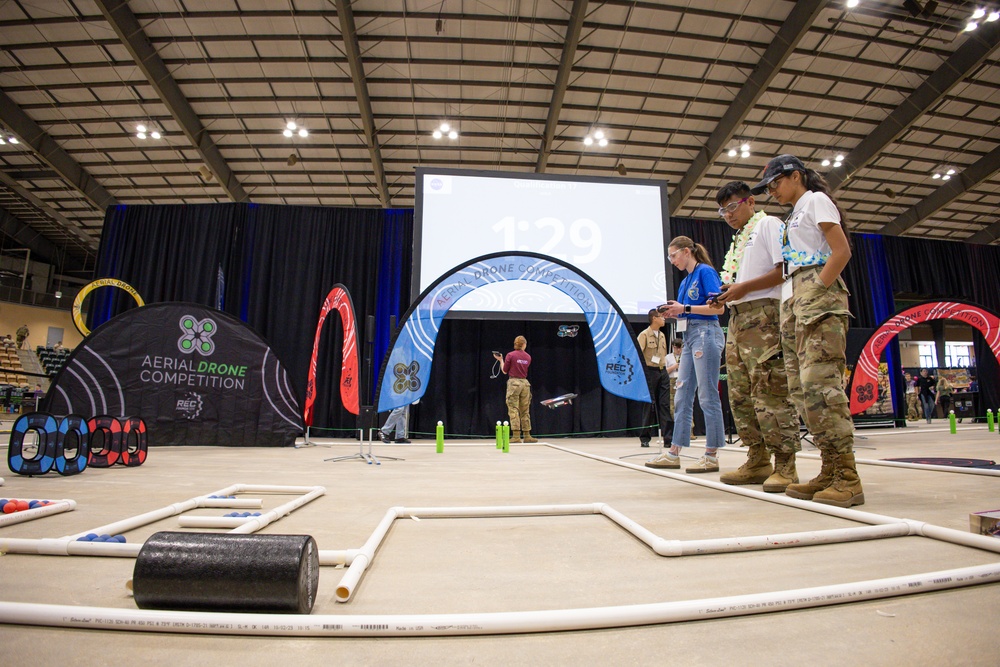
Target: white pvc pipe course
(411, 625)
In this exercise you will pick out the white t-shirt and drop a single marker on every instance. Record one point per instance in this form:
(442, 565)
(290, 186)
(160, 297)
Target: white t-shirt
(671, 361)
(804, 233)
(761, 253)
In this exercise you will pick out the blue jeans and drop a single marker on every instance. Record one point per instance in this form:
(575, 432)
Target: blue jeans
(927, 403)
(397, 422)
(699, 370)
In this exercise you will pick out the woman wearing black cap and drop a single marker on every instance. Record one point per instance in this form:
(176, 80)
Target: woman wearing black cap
(814, 316)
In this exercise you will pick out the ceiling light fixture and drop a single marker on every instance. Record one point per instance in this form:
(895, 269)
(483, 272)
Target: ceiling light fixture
(936, 176)
(445, 130)
(287, 133)
(993, 17)
(290, 125)
(598, 137)
(453, 135)
(946, 177)
(303, 132)
(141, 135)
(825, 163)
(12, 140)
(970, 26)
(852, 3)
(155, 134)
(950, 172)
(732, 152)
(978, 14)
(140, 128)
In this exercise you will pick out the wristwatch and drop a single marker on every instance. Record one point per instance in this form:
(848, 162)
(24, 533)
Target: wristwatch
(687, 309)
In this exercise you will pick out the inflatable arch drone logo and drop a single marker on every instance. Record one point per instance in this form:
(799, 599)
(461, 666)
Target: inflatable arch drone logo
(197, 335)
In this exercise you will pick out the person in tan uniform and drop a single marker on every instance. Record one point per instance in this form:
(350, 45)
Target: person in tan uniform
(653, 343)
(515, 365)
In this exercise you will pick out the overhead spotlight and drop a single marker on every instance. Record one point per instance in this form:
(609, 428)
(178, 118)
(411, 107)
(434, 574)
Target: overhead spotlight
(970, 26)
(12, 140)
(732, 152)
(622, 171)
(287, 133)
(155, 134)
(745, 154)
(837, 163)
(2, 142)
(291, 125)
(825, 163)
(950, 172)
(453, 135)
(936, 176)
(993, 17)
(588, 140)
(293, 160)
(141, 135)
(745, 148)
(140, 128)
(205, 172)
(599, 134)
(445, 127)
(852, 3)
(946, 177)
(839, 158)
(303, 132)
(978, 14)
(436, 134)
(602, 142)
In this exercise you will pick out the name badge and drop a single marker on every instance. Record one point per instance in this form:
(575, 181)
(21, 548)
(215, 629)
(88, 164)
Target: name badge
(786, 290)
(655, 359)
(682, 325)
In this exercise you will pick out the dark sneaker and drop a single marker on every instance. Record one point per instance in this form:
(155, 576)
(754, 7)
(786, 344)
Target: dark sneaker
(384, 438)
(644, 443)
(402, 441)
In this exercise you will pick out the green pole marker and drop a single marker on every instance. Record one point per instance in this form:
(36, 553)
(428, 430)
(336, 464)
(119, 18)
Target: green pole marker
(500, 435)
(990, 424)
(506, 436)
(952, 423)
(440, 437)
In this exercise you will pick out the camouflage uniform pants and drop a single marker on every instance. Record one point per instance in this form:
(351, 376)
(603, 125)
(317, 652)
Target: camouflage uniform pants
(758, 386)
(912, 406)
(814, 339)
(519, 404)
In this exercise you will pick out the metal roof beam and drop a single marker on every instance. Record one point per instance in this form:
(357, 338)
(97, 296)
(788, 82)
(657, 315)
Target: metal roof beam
(46, 148)
(349, 33)
(792, 31)
(13, 227)
(134, 39)
(577, 15)
(977, 47)
(73, 228)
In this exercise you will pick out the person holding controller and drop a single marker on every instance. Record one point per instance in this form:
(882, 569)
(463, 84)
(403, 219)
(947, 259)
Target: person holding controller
(515, 366)
(758, 387)
(700, 358)
(653, 343)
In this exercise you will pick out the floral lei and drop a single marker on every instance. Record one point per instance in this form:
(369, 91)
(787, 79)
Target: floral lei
(731, 265)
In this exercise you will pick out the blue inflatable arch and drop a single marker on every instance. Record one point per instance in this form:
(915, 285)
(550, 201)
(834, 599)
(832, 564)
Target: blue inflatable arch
(407, 367)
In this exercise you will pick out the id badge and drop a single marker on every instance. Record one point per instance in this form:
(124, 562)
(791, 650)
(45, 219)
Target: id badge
(655, 360)
(786, 290)
(682, 325)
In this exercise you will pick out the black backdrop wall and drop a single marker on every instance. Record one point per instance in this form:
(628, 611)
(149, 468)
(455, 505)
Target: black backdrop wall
(272, 266)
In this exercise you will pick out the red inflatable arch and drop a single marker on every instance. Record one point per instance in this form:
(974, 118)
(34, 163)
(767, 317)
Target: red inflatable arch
(338, 299)
(864, 388)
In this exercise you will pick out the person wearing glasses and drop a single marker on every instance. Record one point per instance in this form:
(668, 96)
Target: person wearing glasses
(700, 357)
(814, 312)
(758, 387)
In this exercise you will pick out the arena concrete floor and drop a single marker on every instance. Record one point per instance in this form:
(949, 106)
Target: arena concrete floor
(534, 563)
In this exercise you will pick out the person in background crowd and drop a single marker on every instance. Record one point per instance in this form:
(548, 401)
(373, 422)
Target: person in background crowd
(673, 363)
(814, 320)
(515, 366)
(912, 398)
(700, 358)
(653, 343)
(22, 335)
(758, 386)
(397, 423)
(927, 385)
(944, 391)
(973, 383)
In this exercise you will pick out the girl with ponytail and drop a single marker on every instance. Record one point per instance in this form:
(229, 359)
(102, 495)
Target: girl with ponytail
(698, 317)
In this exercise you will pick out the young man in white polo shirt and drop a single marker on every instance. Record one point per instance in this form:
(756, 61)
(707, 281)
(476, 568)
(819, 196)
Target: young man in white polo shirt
(758, 388)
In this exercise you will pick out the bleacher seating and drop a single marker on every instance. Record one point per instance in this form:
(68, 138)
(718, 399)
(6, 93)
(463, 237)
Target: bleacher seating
(52, 360)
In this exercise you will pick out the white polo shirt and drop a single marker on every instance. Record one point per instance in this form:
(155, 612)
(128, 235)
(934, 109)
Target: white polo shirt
(761, 253)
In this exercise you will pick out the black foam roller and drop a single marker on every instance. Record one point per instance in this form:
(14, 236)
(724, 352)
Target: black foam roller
(227, 572)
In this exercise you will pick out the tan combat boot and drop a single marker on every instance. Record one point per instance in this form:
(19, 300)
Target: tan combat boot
(755, 470)
(515, 436)
(846, 487)
(818, 483)
(784, 473)
(528, 438)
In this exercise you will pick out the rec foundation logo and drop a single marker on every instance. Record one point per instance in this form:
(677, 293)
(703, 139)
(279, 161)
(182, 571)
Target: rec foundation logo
(197, 335)
(621, 369)
(189, 406)
(406, 377)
